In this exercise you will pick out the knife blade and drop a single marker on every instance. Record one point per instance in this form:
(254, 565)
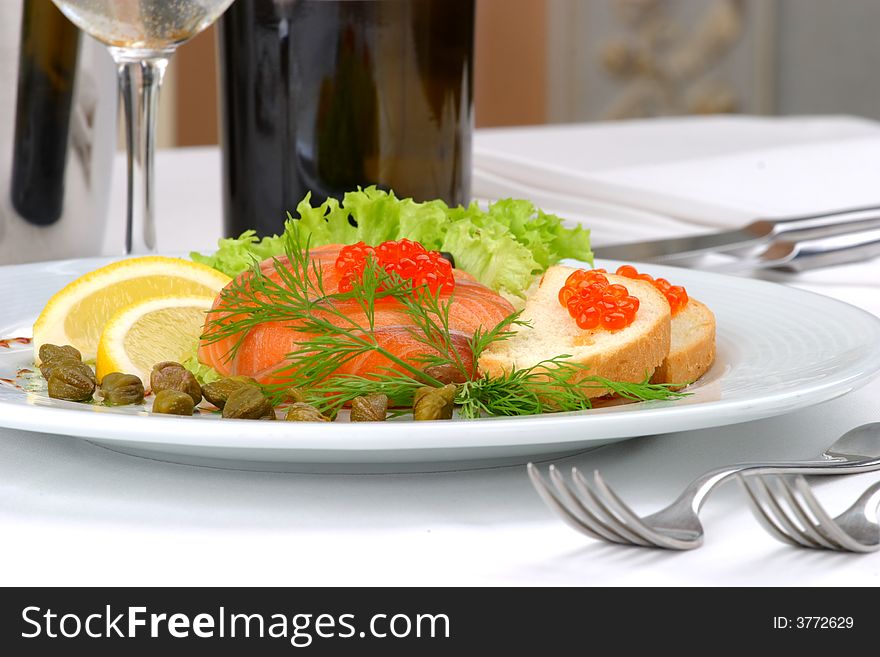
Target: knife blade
(756, 234)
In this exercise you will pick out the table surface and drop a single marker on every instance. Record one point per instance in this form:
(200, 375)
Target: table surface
(75, 513)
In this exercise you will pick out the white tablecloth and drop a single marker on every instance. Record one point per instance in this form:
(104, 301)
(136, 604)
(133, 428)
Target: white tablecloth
(74, 513)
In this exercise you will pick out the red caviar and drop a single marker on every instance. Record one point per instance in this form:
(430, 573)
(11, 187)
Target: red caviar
(593, 301)
(676, 295)
(408, 259)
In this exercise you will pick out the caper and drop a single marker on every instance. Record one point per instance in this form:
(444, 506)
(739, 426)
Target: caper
(302, 412)
(169, 375)
(217, 392)
(369, 408)
(173, 402)
(72, 380)
(248, 403)
(434, 403)
(446, 373)
(293, 395)
(122, 389)
(47, 367)
(51, 355)
(54, 352)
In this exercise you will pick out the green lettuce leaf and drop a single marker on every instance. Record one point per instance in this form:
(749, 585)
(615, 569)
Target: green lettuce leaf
(203, 373)
(504, 247)
(235, 255)
(492, 256)
(544, 235)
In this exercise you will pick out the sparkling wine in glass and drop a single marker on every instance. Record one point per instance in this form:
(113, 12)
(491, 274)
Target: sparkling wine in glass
(141, 35)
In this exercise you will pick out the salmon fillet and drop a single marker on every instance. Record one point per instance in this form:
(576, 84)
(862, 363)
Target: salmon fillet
(264, 350)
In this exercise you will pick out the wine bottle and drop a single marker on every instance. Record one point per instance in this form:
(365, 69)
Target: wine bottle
(323, 96)
(47, 68)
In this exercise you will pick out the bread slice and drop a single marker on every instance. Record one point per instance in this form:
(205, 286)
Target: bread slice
(630, 354)
(692, 349)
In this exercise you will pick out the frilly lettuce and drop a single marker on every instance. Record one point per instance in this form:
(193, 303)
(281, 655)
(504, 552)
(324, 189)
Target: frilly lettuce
(503, 247)
(492, 256)
(236, 254)
(204, 373)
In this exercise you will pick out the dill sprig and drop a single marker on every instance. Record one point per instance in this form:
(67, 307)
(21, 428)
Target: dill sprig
(295, 296)
(550, 386)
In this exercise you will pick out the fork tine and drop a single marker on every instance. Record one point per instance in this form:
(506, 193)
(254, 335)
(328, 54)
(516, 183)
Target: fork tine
(825, 522)
(611, 499)
(761, 515)
(605, 515)
(811, 527)
(556, 505)
(605, 530)
(783, 515)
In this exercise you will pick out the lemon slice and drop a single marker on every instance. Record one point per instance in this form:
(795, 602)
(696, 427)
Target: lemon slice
(76, 315)
(149, 332)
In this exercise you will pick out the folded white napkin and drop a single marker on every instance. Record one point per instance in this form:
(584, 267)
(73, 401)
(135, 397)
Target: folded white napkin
(705, 173)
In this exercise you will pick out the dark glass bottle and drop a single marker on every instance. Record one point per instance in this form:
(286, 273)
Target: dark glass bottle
(321, 96)
(47, 70)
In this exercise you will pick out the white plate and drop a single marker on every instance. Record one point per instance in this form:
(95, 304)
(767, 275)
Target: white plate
(779, 349)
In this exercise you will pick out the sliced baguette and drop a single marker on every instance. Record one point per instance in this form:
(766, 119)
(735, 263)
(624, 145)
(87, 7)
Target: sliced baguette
(630, 355)
(692, 349)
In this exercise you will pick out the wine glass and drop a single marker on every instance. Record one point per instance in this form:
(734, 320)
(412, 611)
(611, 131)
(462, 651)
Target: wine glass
(141, 35)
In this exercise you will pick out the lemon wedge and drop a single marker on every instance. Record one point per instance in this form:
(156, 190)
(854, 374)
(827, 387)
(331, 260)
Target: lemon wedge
(149, 332)
(76, 315)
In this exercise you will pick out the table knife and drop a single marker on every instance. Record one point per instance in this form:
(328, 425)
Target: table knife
(757, 234)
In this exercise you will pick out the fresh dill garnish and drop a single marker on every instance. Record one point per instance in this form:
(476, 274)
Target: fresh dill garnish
(549, 386)
(289, 290)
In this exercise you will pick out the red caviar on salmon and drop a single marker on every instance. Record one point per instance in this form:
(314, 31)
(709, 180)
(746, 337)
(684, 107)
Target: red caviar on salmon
(594, 302)
(408, 259)
(263, 352)
(676, 295)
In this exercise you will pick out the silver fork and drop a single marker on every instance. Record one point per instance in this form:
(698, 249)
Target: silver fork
(593, 508)
(789, 510)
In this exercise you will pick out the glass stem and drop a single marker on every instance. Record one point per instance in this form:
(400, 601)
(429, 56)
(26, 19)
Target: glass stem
(139, 83)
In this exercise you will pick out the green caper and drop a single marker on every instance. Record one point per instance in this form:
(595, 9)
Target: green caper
(248, 403)
(293, 395)
(51, 355)
(173, 402)
(369, 408)
(54, 352)
(302, 412)
(434, 403)
(169, 375)
(446, 373)
(72, 380)
(217, 392)
(122, 389)
(47, 367)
